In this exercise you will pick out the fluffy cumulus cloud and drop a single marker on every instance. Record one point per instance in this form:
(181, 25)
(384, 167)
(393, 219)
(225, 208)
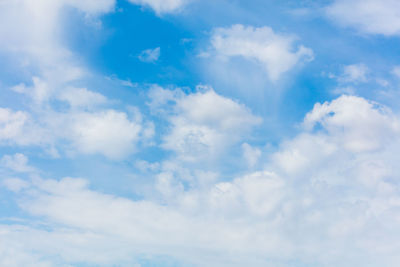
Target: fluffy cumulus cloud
(275, 53)
(367, 16)
(107, 132)
(334, 187)
(87, 124)
(359, 124)
(203, 123)
(345, 127)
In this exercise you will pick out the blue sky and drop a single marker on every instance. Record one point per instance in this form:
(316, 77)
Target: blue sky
(199, 133)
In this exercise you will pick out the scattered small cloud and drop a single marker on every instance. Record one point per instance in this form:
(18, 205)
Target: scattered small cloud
(355, 73)
(150, 55)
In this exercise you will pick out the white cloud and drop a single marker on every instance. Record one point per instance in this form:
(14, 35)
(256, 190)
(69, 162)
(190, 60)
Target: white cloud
(85, 126)
(15, 184)
(331, 188)
(108, 132)
(135, 227)
(359, 125)
(276, 53)
(367, 16)
(329, 196)
(35, 27)
(203, 123)
(162, 6)
(11, 124)
(160, 98)
(251, 154)
(356, 73)
(258, 194)
(81, 97)
(18, 128)
(17, 162)
(150, 55)
(40, 91)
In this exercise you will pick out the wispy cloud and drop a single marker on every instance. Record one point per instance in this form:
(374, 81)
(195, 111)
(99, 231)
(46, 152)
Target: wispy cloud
(150, 55)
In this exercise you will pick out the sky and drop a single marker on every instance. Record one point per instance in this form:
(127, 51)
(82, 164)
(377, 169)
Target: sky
(199, 133)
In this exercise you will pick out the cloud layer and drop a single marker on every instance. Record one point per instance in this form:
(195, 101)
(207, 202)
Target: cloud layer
(330, 188)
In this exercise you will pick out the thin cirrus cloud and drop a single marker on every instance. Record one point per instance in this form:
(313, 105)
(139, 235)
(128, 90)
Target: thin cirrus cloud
(87, 124)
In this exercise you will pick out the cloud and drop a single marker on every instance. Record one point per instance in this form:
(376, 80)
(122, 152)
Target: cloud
(150, 55)
(251, 154)
(162, 6)
(81, 97)
(328, 196)
(92, 6)
(110, 223)
(367, 16)
(275, 53)
(18, 128)
(358, 124)
(37, 38)
(17, 162)
(333, 187)
(356, 73)
(84, 127)
(107, 132)
(15, 184)
(396, 71)
(203, 124)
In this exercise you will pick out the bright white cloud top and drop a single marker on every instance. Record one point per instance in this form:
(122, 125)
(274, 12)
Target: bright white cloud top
(229, 150)
(274, 52)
